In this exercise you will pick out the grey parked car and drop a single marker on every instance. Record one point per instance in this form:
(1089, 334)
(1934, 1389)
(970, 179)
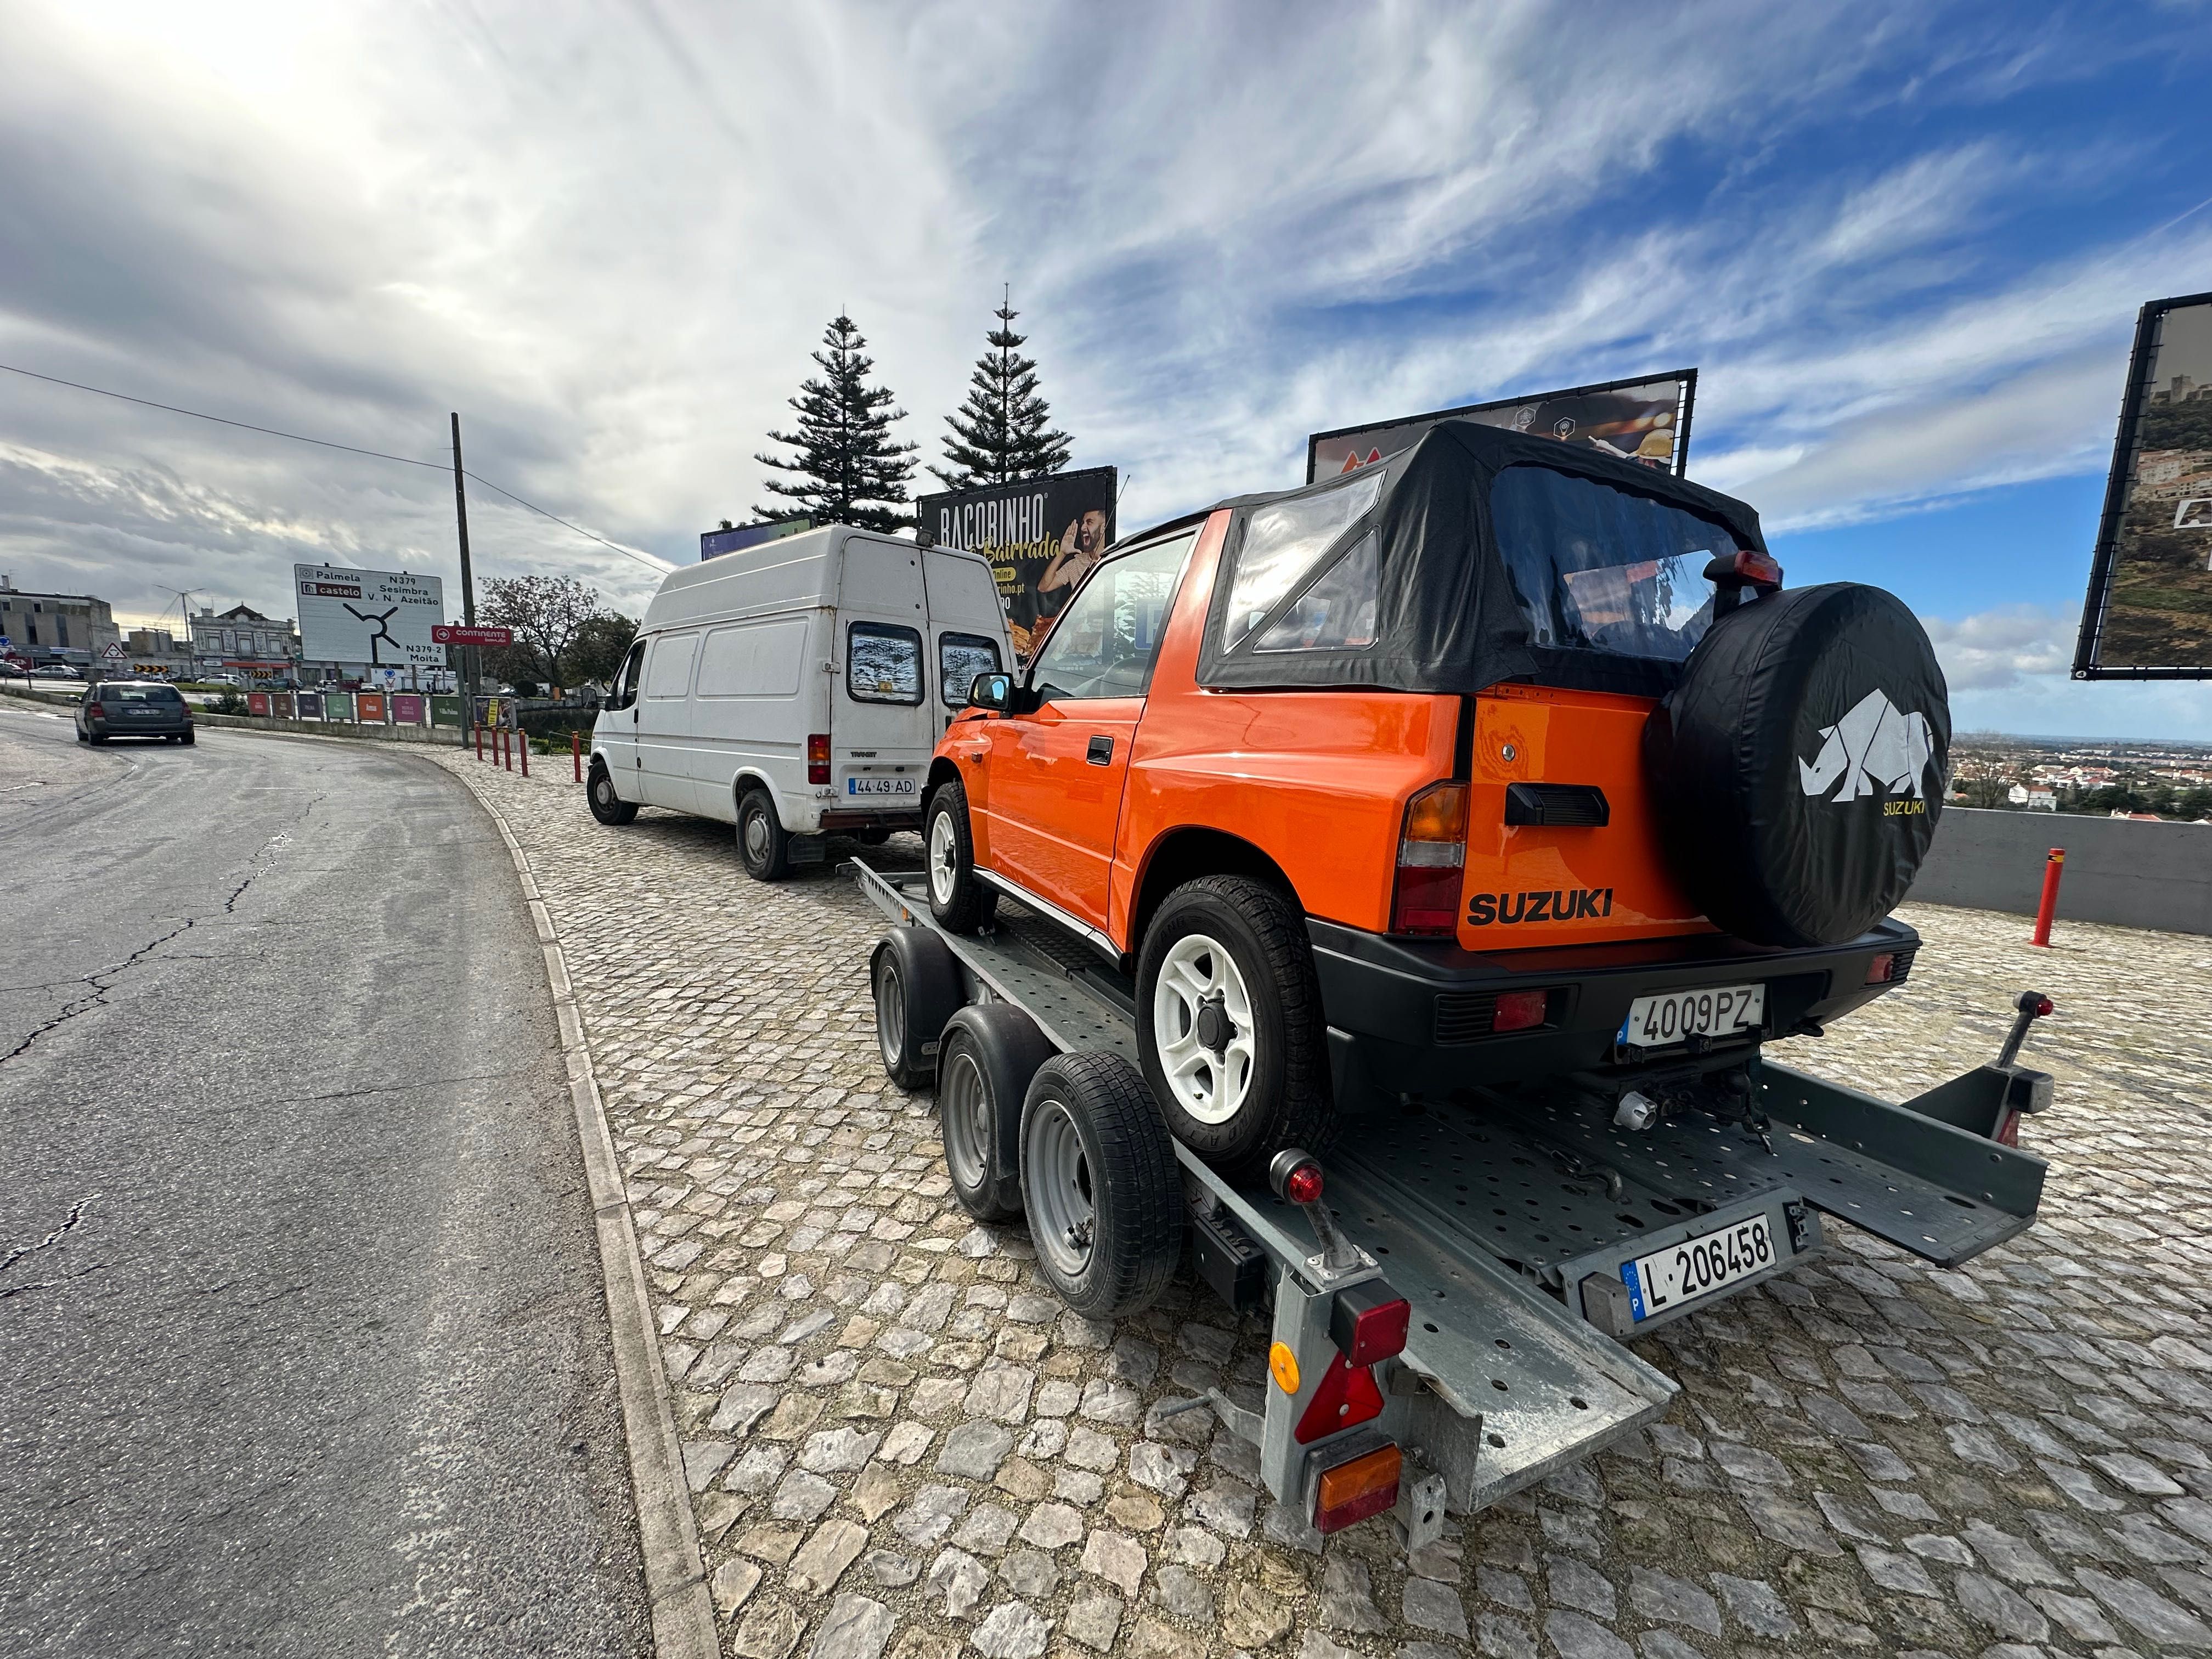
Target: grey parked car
(134, 708)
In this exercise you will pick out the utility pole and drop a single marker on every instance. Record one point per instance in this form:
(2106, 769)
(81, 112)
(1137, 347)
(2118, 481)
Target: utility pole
(468, 581)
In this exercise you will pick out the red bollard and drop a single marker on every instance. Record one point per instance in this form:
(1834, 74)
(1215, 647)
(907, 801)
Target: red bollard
(522, 741)
(576, 753)
(2050, 905)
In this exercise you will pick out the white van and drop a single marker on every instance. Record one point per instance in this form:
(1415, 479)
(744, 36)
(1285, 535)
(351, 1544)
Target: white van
(796, 687)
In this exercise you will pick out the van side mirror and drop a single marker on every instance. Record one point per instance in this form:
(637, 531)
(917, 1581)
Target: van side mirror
(992, 692)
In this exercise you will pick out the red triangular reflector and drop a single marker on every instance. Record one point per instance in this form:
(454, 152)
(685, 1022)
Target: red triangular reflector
(1345, 1398)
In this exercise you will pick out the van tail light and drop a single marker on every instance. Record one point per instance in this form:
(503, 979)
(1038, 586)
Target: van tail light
(1432, 856)
(1353, 1491)
(817, 758)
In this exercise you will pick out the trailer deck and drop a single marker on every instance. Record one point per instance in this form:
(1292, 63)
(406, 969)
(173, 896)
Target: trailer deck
(1512, 1224)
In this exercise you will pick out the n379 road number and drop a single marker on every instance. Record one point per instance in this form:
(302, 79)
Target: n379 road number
(1697, 1266)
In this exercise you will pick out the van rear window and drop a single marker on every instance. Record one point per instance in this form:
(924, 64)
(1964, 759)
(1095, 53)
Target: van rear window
(960, 657)
(1600, 568)
(883, 663)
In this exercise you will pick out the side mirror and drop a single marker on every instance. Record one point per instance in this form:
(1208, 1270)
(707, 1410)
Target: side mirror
(992, 692)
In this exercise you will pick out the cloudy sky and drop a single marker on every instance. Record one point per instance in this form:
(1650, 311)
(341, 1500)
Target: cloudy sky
(1905, 244)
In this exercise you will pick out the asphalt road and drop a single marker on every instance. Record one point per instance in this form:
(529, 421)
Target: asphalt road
(316, 1361)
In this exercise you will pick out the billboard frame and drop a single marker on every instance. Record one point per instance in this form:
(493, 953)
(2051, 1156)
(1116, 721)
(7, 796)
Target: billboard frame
(2127, 444)
(1687, 377)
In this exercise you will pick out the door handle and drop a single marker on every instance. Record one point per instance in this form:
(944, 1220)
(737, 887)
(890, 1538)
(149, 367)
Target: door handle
(1100, 751)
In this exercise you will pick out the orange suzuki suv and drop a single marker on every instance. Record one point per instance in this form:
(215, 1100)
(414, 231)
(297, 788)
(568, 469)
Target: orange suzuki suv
(1491, 764)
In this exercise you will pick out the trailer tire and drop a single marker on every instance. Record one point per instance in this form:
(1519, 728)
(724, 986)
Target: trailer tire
(1100, 1184)
(917, 989)
(958, 897)
(1248, 941)
(985, 1061)
(607, 807)
(763, 844)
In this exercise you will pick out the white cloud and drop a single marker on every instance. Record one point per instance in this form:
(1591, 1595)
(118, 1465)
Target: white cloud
(610, 238)
(1990, 650)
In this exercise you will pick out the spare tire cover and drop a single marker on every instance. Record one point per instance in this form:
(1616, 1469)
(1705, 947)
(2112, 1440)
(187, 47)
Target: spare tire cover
(1798, 769)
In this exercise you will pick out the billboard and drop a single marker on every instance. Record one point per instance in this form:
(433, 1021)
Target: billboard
(381, 617)
(1041, 537)
(1645, 420)
(2149, 614)
(713, 542)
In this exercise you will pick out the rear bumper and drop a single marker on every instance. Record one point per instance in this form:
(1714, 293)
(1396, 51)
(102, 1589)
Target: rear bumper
(1413, 1015)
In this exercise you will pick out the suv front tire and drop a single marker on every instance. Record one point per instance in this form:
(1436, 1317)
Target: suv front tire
(957, 898)
(1229, 1024)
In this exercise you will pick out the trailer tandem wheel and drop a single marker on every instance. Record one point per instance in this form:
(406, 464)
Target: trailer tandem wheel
(990, 1053)
(918, 988)
(1100, 1184)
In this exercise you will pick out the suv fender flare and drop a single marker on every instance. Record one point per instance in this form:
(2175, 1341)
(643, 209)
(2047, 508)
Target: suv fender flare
(1185, 853)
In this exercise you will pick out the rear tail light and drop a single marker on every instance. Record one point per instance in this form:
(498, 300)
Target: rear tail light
(1431, 855)
(1519, 1011)
(1879, 967)
(817, 758)
(1369, 1321)
(1368, 1485)
(1346, 1398)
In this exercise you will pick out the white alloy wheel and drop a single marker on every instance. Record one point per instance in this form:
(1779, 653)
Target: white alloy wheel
(944, 858)
(1202, 1029)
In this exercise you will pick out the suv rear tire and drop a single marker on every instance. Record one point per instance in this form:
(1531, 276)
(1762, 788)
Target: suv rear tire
(607, 807)
(763, 845)
(958, 897)
(1229, 1024)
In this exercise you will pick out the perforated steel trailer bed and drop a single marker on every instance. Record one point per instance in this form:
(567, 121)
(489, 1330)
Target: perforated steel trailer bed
(1447, 1319)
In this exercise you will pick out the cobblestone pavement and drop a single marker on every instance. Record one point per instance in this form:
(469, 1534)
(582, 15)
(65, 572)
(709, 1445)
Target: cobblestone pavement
(898, 1443)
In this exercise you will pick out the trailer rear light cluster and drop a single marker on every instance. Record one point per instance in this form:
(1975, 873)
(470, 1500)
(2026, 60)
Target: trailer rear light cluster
(817, 758)
(1431, 855)
(1368, 1323)
(1366, 1485)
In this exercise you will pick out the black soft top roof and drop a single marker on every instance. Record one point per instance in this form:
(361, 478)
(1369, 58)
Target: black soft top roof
(1448, 619)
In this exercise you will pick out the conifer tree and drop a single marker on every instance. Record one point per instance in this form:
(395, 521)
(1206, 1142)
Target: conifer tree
(847, 460)
(1002, 435)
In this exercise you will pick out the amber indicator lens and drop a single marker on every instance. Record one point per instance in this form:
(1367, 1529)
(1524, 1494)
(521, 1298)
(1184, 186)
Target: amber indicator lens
(1351, 1491)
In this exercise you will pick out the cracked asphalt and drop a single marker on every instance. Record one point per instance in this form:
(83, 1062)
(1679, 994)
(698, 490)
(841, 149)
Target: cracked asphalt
(303, 1348)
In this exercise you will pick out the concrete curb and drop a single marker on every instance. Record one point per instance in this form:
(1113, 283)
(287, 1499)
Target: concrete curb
(675, 1574)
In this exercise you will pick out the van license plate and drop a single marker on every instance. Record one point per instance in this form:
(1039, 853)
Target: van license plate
(879, 786)
(1656, 1021)
(1697, 1266)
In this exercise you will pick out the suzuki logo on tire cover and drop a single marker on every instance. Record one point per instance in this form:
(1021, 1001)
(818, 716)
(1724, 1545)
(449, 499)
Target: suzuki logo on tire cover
(1875, 747)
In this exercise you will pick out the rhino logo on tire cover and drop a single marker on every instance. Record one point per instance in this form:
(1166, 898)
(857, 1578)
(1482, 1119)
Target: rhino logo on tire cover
(1876, 748)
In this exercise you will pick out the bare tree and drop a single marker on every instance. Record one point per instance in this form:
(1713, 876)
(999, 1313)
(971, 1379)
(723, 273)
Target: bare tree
(545, 612)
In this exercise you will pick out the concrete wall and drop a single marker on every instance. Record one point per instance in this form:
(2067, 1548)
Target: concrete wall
(448, 736)
(2120, 871)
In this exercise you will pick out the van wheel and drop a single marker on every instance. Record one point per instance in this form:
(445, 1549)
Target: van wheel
(607, 807)
(1100, 1184)
(1229, 1024)
(917, 989)
(958, 899)
(990, 1053)
(762, 843)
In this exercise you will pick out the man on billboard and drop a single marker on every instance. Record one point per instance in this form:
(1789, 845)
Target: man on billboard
(1079, 548)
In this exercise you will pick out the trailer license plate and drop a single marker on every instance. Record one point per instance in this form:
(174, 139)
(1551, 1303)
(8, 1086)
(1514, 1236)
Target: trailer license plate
(879, 786)
(1654, 1021)
(1697, 1266)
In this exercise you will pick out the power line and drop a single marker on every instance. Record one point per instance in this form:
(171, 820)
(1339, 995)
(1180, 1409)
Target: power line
(324, 443)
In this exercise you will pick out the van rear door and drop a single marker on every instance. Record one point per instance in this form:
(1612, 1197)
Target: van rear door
(967, 629)
(880, 728)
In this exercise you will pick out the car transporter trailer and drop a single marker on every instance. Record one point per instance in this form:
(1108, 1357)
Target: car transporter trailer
(1446, 1323)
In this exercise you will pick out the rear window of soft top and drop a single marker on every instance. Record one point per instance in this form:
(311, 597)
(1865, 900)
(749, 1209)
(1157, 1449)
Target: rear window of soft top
(1595, 567)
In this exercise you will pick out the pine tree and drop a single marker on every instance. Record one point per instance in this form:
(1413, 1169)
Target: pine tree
(846, 456)
(1000, 434)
